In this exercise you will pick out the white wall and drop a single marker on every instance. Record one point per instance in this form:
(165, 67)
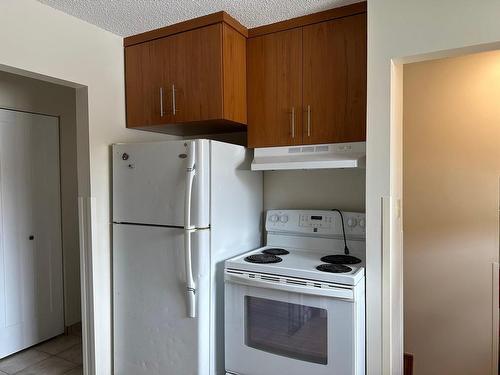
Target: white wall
(315, 189)
(26, 94)
(398, 29)
(45, 42)
(451, 175)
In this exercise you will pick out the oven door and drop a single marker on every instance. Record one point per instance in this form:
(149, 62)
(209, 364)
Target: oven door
(282, 327)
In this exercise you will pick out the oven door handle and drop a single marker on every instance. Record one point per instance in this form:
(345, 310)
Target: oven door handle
(332, 292)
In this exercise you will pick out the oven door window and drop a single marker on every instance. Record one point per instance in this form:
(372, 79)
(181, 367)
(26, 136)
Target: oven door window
(287, 329)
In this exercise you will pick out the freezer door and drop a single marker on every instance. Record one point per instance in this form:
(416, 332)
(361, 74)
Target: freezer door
(149, 183)
(152, 333)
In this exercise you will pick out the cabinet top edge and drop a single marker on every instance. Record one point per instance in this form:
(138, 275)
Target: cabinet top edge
(195, 23)
(309, 19)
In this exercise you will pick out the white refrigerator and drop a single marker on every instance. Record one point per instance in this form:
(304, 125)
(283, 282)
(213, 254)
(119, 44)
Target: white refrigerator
(180, 208)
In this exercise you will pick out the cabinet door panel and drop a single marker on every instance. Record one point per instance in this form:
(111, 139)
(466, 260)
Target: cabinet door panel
(162, 50)
(274, 81)
(234, 75)
(335, 80)
(196, 72)
(142, 85)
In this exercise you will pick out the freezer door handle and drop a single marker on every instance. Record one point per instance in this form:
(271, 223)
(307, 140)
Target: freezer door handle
(188, 229)
(190, 172)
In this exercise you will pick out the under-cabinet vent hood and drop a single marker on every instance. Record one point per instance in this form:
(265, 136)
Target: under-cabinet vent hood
(338, 155)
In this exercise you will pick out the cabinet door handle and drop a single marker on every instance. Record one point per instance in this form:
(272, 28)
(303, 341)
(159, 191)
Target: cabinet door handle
(292, 121)
(308, 120)
(161, 102)
(173, 100)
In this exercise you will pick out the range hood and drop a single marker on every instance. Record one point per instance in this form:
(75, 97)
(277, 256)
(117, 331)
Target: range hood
(336, 155)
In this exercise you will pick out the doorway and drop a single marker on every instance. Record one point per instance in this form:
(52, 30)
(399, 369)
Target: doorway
(451, 170)
(39, 153)
(31, 301)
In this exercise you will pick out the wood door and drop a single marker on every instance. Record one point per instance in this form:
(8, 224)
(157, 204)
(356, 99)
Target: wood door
(161, 85)
(31, 286)
(334, 95)
(143, 79)
(196, 74)
(234, 65)
(274, 81)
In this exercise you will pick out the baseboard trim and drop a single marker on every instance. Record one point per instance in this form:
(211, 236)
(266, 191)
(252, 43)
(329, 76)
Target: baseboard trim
(408, 364)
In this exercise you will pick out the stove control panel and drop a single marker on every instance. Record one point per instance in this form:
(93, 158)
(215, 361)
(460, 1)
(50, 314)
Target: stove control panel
(315, 222)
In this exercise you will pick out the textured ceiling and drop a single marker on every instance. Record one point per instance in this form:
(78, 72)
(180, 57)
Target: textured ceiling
(129, 17)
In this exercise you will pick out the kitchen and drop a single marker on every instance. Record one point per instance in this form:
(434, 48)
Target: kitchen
(96, 73)
(212, 75)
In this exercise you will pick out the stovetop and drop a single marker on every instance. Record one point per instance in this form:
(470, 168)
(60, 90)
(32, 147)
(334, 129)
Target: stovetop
(299, 263)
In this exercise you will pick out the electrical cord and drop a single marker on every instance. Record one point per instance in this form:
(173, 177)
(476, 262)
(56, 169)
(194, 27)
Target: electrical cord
(346, 249)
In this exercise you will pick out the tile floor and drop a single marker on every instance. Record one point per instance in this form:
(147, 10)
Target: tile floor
(57, 356)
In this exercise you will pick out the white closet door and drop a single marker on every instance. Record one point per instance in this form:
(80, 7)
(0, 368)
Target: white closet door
(31, 286)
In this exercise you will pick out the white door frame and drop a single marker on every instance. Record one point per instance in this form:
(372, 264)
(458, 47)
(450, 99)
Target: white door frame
(86, 215)
(86, 212)
(86, 218)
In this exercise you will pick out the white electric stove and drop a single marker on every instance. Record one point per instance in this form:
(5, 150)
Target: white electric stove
(300, 263)
(296, 305)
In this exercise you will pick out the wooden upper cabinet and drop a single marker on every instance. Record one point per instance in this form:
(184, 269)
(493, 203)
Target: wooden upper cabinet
(188, 81)
(142, 84)
(274, 79)
(196, 81)
(305, 78)
(334, 80)
(315, 65)
(162, 50)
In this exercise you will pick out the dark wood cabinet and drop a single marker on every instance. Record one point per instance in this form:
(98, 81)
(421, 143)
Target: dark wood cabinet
(274, 76)
(192, 81)
(142, 85)
(300, 81)
(195, 85)
(307, 84)
(334, 81)
(162, 50)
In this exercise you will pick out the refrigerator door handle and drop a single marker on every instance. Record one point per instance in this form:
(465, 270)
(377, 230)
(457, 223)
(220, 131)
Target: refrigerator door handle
(190, 285)
(188, 229)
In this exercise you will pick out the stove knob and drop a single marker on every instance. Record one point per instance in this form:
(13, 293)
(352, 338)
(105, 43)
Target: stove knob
(273, 218)
(351, 222)
(362, 223)
(284, 218)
